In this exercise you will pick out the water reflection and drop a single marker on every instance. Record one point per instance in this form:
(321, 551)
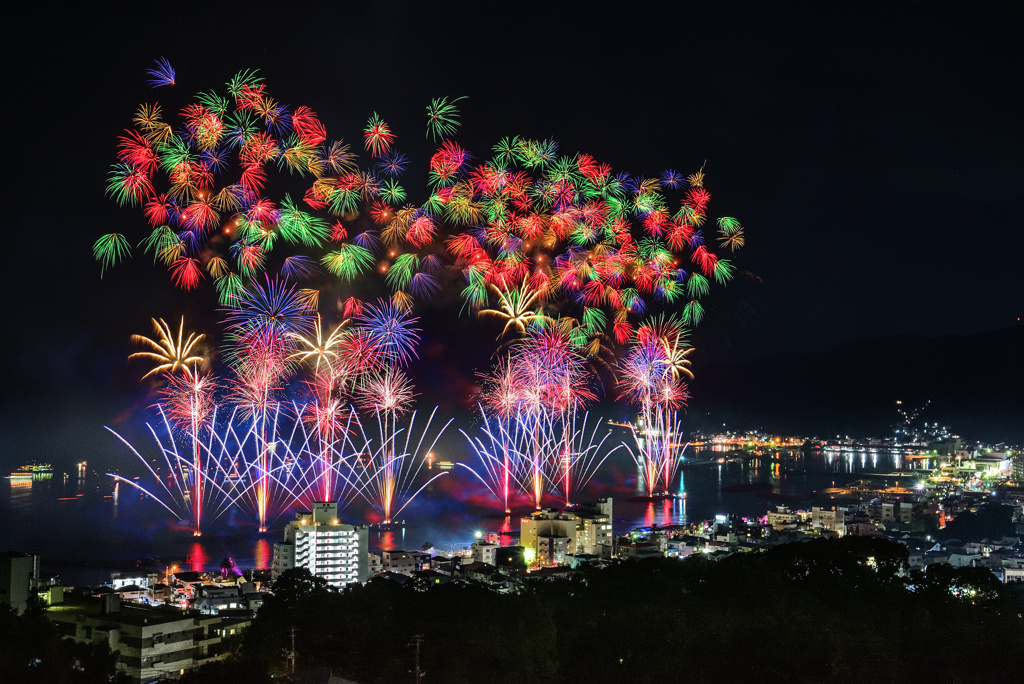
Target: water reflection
(390, 540)
(95, 521)
(262, 554)
(197, 557)
(21, 495)
(505, 532)
(665, 512)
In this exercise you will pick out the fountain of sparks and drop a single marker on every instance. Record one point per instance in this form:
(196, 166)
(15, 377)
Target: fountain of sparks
(658, 452)
(386, 465)
(651, 376)
(272, 465)
(564, 458)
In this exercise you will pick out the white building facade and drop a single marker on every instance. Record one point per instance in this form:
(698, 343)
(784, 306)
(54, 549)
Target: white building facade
(554, 534)
(327, 547)
(486, 552)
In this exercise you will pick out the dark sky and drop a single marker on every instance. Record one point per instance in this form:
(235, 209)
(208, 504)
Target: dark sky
(873, 152)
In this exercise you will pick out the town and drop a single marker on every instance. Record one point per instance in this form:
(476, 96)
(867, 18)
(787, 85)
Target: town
(965, 512)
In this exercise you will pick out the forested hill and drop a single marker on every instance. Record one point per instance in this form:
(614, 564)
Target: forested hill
(975, 385)
(841, 610)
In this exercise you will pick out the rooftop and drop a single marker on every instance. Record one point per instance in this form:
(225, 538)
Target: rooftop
(74, 606)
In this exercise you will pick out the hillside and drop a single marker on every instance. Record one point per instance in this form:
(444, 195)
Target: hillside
(975, 385)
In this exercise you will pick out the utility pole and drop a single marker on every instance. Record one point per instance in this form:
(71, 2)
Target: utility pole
(416, 641)
(291, 653)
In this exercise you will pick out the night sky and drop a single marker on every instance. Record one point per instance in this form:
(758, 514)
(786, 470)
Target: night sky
(872, 151)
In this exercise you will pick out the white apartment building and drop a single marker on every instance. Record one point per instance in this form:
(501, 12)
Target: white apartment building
(327, 547)
(594, 531)
(486, 552)
(554, 534)
(405, 562)
(825, 519)
(783, 519)
(898, 511)
(18, 575)
(148, 643)
(374, 565)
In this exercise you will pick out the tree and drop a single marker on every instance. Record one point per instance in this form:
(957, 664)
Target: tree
(943, 583)
(511, 557)
(298, 585)
(992, 521)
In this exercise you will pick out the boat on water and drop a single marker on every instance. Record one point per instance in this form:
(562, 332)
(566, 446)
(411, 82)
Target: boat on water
(393, 526)
(32, 471)
(658, 496)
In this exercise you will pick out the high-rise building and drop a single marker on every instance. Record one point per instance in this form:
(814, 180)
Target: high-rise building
(594, 531)
(550, 534)
(18, 575)
(327, 547)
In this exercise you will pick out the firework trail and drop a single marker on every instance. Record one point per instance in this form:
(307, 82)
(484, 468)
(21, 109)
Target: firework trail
(578, 455)
(534, 396)
(190, 403)
(189, 399)
(501, 396)
(650, 375)
(553, 381)
(186, 485)
(231, 463)
(385, 466)
(507, 456)
(327, 387)
(262, 327)
(570, 457)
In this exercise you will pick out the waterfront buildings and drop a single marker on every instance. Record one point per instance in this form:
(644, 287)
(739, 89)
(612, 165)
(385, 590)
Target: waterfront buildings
(782, 518)
(833, 519)
(405, 562)
(486, 552)
(636, 550)
(327, 547)
(552, 535)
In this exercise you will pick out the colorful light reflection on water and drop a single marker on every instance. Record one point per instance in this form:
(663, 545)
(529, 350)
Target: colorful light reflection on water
(198, 557)
(665, 512)
(79, 512)
(262, 554)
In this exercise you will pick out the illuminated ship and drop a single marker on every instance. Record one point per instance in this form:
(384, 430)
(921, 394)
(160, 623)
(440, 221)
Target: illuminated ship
(32, 471)
(393, 526)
